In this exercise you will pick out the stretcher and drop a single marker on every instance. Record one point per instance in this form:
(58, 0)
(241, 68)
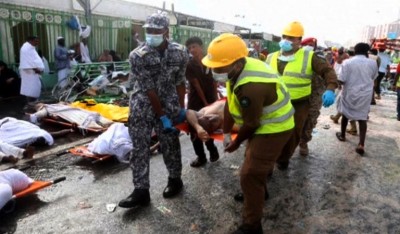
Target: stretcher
(83, 151)
(71, 125)
(216, 136)
(31, 189)
(36, 186)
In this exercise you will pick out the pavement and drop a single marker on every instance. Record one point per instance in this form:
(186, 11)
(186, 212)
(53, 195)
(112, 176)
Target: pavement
(333, 190)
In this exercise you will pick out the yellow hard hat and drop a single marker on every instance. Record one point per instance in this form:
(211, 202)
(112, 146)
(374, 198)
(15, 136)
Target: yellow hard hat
(224, 50)
(294, 29)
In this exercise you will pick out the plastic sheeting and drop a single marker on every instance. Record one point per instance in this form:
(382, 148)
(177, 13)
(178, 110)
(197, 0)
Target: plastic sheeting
(109, 111)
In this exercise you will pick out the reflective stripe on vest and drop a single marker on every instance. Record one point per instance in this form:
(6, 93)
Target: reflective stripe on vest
(277, 117)
(296, 77)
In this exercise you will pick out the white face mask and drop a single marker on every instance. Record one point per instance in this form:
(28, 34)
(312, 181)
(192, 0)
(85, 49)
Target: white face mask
(286, 58)
(220, 77)
(154, 40)
(308, 48)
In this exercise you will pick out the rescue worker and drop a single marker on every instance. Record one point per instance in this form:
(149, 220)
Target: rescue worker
(258, 101)
(158, 67)
(317, 89)
(296, 67)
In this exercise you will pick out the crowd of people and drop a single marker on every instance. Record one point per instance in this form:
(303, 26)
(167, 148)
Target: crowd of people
(272, 102)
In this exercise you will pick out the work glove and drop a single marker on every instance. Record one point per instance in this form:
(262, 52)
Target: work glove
(227, 139)
(328, 98)
(181, 116)
(167, 125)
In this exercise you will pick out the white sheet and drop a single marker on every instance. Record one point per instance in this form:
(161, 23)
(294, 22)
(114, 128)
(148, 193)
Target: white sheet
(115, 141)
(21, 133)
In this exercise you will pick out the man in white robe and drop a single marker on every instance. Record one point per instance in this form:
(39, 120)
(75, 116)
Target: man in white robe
(357, 77)
(85, 56)
(30, 68)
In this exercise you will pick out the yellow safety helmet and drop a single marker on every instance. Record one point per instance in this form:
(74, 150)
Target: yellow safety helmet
(294, 29)
(224, 50)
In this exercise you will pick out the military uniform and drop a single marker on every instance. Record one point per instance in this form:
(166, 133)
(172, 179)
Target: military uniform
(320, 67)
(162, 72)
(317, 89)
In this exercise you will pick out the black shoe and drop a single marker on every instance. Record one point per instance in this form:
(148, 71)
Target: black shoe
(245, 229)
(198, 162)
(174, 186)
(214, 156)
(282, 165)
(239, 197)
(139, 197)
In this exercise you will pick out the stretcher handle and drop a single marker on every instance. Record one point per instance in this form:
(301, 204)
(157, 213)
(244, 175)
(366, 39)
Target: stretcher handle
(59, 180)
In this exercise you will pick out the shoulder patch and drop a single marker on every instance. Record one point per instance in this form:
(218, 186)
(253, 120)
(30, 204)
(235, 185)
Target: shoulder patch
(244, 102)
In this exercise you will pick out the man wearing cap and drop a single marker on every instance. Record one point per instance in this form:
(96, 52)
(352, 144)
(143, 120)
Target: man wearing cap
(157, 102)
(296, 67)
(317, 89)
(258, 101)
(62, 61)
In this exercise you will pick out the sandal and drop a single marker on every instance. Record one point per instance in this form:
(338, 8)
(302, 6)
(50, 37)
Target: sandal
(340, 137)
(360, 150)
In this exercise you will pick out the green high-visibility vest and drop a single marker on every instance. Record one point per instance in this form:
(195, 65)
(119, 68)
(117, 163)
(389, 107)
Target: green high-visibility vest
(275, 118)
(297, 74)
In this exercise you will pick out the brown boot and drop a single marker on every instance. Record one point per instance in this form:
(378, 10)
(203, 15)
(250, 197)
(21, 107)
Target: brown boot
(353, 128)
(303, 149)
(335, 118)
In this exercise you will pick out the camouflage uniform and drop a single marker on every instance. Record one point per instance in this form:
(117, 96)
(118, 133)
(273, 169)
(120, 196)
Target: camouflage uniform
(160, 72)
(318, 87)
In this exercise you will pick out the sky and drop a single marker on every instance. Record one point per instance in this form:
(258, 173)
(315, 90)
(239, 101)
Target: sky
(340, 21)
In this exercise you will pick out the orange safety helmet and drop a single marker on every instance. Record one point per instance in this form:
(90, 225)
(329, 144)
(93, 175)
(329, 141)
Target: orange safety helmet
(294, 29)
(224, 50)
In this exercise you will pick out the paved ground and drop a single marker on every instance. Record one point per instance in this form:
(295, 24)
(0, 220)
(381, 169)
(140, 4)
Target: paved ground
(332, 191)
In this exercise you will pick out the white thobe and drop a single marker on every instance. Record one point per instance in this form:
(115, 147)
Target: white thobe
(85, 53)
(358, 75)
(30, 81)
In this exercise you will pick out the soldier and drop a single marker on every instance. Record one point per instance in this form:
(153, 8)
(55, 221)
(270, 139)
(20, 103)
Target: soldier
(297, 66)
(317, 89)
(158, 68)
(259, 102)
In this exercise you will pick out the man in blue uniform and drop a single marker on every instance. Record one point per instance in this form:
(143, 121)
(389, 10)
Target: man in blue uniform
(157, 101)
